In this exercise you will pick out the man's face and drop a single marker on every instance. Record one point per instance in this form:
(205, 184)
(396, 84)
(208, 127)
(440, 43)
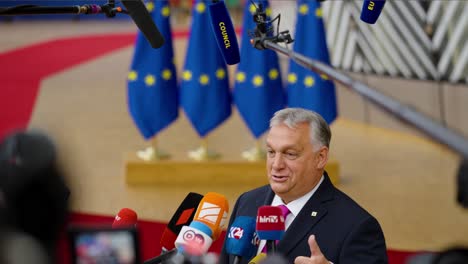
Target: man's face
(292, 165)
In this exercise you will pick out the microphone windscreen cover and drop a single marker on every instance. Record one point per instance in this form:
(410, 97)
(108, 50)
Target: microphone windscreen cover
(257, 259)
(371, 10)
(125, 218)
(239, 237)
(183, 216)
(143, 20)
(270, 223)
(213, 211)
(224, 32)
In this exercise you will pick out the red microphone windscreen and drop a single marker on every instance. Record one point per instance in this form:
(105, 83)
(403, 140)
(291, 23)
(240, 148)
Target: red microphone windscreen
(125, 218)
(270, 223)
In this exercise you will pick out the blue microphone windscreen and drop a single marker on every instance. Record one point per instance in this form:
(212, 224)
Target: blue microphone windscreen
(371, 10)
(239, 237)
(224, 32)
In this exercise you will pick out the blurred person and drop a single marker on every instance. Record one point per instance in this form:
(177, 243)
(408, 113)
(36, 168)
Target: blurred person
(453, 255)
(323, 225)
(34, 198)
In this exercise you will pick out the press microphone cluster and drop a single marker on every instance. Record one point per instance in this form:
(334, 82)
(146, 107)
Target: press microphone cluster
(224, 32)
(371, 10)
(195, 239)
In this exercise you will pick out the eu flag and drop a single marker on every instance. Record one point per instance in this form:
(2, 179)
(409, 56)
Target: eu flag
(204, 90)
(152, 81)
(308, 89)
(258, 90)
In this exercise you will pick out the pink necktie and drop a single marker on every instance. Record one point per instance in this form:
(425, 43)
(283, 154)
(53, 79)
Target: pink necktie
(285, 211)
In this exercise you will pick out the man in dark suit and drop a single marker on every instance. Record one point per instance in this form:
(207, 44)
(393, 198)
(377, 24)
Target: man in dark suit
(324, 224)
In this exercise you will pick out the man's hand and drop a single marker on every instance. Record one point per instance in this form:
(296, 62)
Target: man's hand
(316, 256)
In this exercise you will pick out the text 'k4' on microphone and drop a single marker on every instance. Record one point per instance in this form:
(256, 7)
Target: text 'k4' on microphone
(270, 226)
(224, 31)
(126, 217)
(371, 10)
(239, 238)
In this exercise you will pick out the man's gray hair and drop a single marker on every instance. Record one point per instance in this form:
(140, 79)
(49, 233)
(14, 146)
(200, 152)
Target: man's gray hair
(319, 129)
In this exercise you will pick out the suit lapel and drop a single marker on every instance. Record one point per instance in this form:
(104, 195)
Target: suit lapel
(312, 212)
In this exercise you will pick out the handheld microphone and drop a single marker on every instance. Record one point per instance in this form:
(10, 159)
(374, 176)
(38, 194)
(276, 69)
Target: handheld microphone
(270, 225)
(239, 239)
(125, 218)
(183, 216)
(207, 223)
(225, 34)
(142, 18)
(371, 10)
(212, 212)
(258, 259)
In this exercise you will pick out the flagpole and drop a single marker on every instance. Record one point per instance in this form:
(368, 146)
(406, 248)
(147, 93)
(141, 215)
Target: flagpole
(405, 113)
(153, 153)
(203, 153)
(255, 153)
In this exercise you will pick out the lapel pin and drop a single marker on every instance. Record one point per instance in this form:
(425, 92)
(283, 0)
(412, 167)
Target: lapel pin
(314, 214)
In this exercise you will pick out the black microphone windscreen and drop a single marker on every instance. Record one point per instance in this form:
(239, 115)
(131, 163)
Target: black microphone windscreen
(142, 18)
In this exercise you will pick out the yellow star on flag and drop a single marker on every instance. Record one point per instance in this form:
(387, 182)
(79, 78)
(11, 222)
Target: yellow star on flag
(200, 7)
(166, 11)
(292, 78)
(150, 80)
(252, 9)
(166, 74)
(150, 6)
(309, 81)
(220, 74)
(240, 77)
(132, 76)
(204, 79)
(257, 80)
(273, 74)
(304, 9)
(324, 76)
(318, 12)
(268, 11)
(187, 75)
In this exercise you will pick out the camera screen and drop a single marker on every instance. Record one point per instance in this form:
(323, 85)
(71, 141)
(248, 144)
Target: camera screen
(111, 246)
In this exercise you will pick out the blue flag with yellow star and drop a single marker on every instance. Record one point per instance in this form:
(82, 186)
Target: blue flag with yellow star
(305, 88)
(204, 90)
(258, 90)
(152, 83)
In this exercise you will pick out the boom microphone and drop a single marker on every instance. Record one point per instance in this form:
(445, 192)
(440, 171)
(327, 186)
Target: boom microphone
(239, 238)
(270, 225)
(125, 218)
(225, 34)
(142, 18)
(371, 10)
(183, 216)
